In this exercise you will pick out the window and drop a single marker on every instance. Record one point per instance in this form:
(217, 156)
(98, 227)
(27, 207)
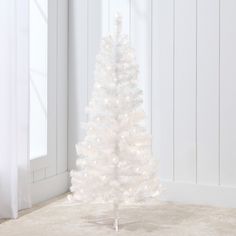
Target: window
(48, 94)
(38, 77)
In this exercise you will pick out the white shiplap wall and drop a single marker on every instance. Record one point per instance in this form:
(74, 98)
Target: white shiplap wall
(85, 19)
(187, 55)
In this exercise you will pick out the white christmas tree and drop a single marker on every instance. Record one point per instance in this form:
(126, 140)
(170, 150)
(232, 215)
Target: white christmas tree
(115, 163)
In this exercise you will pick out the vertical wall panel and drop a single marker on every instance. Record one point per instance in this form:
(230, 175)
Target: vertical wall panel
(94, 38)
(185, 91)
(123, 7)
(162, 85)
(228, 92)
(141, 41)
(78, 74)
(208, 91)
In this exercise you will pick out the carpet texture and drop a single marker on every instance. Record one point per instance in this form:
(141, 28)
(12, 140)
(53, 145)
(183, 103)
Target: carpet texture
(164, 219)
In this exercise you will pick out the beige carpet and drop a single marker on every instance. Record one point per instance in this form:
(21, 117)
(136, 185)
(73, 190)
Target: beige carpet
(153, 220)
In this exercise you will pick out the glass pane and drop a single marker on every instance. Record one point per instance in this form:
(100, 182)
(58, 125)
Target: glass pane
(38, 77)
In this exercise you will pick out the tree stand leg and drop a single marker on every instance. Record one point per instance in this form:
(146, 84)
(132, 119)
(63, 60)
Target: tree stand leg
(116, 224)
(116, 218)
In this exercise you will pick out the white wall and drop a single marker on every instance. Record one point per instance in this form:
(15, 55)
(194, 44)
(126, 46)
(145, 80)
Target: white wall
(84, 38)
(187, 55)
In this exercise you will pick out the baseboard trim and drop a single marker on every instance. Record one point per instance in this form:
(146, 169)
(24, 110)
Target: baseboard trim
(172, 191)
(48, 188)
(199, 194)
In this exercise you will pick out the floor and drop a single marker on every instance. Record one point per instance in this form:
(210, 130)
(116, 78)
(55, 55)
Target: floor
(153, 219)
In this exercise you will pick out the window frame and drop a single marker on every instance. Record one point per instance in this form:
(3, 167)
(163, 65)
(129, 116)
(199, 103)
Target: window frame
(55, 162)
